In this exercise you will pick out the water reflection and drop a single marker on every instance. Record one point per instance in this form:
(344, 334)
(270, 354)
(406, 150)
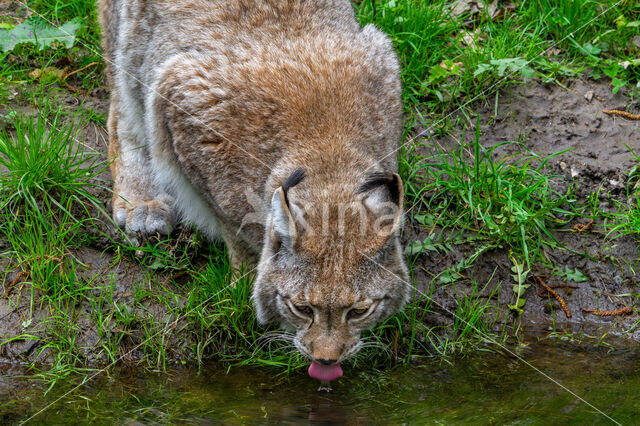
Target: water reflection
(484, 388)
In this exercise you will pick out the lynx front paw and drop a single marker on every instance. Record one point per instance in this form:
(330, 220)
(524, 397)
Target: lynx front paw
(144, 218)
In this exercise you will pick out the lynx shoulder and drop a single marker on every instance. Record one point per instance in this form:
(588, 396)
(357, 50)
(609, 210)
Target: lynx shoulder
(272, 125)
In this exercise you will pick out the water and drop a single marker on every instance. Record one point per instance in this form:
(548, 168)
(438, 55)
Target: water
(484, 388)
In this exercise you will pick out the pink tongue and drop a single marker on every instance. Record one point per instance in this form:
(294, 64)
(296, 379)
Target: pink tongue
(325, 373)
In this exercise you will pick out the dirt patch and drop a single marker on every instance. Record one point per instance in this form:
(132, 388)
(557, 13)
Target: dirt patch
(549, 119)
(118, 287)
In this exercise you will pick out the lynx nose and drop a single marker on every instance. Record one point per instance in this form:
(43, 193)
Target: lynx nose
(324, 361)
(326, 354)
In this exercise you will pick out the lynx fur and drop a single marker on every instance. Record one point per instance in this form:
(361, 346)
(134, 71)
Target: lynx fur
(272, 125)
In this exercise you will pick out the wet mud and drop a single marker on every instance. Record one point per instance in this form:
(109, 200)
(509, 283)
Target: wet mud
(548, 119)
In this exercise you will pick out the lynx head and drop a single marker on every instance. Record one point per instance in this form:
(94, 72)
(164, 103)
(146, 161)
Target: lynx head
(332, 264)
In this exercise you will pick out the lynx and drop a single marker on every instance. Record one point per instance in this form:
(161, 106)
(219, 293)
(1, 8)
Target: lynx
(272, 125)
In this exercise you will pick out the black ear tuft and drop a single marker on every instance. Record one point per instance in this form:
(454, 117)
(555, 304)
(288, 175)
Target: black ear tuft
(374, 180)
(294, 178)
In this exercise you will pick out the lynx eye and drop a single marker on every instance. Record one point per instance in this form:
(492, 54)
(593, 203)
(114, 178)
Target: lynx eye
(304, 310)
(357, 313)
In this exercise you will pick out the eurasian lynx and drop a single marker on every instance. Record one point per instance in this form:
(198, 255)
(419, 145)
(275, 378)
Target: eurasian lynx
(273, 125)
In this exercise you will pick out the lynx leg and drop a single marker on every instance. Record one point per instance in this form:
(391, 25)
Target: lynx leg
(239, 252)
(139, 206)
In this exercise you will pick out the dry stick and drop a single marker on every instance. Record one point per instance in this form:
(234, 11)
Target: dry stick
(65, 76)
(579, 227)
(622, 311)
(542, 293)
(80, 69)
(15, 281)
(57, 259)
(74, 89)
(566, 310)
(624, 114)
(488, 296)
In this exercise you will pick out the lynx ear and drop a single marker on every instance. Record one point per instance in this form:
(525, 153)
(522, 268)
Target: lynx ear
(283, 229)
(383, 200)
(283, 226)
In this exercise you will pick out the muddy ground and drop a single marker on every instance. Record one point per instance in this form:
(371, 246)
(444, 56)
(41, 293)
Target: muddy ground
(553, 117)
(550, 119)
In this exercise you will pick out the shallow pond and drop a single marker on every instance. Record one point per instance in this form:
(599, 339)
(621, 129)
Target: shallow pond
(487, 387)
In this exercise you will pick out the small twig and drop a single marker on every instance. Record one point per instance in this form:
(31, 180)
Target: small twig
(15, 281)
(578, 227)
(57, 259)
(118, 330)
(607, 293)
(542, 293)
(74, 89)
(624, 114)
(622, 311)
(173, 277)
(488, 296)
(80, 69)
(566, 310)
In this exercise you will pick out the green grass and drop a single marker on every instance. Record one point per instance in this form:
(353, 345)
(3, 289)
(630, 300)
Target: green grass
(441, 65)
(46, 160)
(503, 201)
(87, 48)
(45, 193)
(47, 207)
(624, 217)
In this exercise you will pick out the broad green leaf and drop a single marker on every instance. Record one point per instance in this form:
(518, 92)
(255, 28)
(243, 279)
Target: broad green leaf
(519, 274)
(38, 32)
(157, 265)
(573, 274)
(482, 68)
(519, 290)
(501, 65)
(590, 49)
(617, 84)
(527, 73)
(425, 219)
(413, 248)
(448, 276)
(518, 306)
(437, 73)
